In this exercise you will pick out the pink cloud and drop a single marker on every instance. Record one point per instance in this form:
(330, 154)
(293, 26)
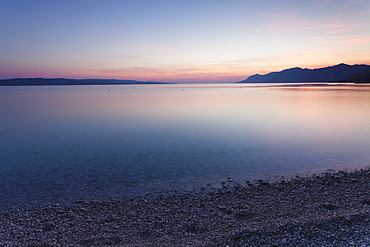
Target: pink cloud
(356, 40)
(291, 22)
(326, 2)
(307, 54)
(339, 27)
(347, 39)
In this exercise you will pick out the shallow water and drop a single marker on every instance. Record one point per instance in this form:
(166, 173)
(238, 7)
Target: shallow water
(64, 143)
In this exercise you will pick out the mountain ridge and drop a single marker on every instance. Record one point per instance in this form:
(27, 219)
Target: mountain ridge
(359, 73)
(339, 72)
(63, 81)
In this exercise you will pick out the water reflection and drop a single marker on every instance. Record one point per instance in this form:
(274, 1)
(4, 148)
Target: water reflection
(68, 142)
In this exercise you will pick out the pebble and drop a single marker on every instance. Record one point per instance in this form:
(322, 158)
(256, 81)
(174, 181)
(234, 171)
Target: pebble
(327, 210)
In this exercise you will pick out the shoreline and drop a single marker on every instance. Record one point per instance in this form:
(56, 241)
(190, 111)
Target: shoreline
(331, 209)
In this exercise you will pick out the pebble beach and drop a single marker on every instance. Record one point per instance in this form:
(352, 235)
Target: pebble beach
(330, 209)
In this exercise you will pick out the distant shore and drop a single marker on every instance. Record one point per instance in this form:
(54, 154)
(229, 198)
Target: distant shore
(332, 209)
(70, 82)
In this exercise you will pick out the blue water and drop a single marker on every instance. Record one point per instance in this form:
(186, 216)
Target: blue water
(65, 143)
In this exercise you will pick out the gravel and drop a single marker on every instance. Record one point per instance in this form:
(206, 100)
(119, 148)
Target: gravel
(331, 209)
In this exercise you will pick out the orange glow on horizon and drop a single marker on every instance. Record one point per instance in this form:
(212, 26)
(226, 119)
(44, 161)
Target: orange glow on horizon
(179, 41)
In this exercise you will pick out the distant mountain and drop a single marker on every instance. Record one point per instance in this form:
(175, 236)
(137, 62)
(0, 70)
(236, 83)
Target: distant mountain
(62, 81)
(340, 72)
(362, 77)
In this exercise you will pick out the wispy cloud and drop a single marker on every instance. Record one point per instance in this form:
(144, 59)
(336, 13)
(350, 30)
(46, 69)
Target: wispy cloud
(307, 54)
(133, 70)
(346, 39)
(191, 71)
(324, 2)
(361, 12)
(362, 40)
(351, 3)
(336, 27)
(291, 22)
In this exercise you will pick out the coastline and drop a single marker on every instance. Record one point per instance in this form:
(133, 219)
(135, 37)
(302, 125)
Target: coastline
(332, 209)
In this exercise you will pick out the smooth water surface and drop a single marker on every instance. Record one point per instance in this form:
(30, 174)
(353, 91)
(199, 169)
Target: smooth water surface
(65, 143)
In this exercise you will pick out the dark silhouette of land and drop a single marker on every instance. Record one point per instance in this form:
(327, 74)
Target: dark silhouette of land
(63, 81)
(362, 77)
(338, 73)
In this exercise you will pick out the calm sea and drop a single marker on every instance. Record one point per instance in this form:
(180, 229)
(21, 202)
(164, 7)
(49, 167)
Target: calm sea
(65, 143)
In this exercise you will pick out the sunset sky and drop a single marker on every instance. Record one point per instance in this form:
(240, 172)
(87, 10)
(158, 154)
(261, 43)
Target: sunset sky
(179, 40)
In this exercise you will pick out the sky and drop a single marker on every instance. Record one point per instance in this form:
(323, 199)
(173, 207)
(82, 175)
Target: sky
(179, 40)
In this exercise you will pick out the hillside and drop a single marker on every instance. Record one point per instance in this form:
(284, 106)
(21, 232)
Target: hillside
(362, 77)
(340, 72)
